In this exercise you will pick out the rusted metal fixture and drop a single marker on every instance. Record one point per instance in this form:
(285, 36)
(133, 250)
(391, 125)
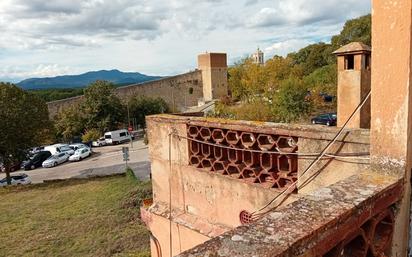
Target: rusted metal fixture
(235, 156)
(220, 166)
(218, 135)
(287, 144)
(207, 151)
(220, 153)
(245, 217)
(251, 159)
(207, 164)
(232, 138)
(268, 162)
(266, 142)
(194, 147)
(193, 131)
(248, 140)
(196, 161)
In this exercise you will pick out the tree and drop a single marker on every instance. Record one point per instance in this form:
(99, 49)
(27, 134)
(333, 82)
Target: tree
(70, 122)
(102, 108)
(24, 120)
(291, 101)
(277, 69)
(140, 107)
(247, 80)
(313, 57)
(323, 79)
(356, 30)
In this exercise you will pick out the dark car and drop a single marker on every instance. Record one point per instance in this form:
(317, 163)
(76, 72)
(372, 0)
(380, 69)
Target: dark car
(36, 161)
(328, 119)
(15, 166)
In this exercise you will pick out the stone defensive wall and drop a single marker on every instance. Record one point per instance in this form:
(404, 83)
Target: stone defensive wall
(179, 92)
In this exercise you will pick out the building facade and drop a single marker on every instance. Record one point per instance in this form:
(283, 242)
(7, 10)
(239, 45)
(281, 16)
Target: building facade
(258, 57)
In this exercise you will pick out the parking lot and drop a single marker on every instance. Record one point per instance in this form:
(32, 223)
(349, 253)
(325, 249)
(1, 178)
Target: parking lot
(106, 160)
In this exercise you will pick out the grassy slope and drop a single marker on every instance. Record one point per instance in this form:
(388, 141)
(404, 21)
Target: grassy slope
(94, 218)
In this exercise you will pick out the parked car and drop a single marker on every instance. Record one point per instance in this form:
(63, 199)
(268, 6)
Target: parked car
(326, 97)
(117, 137)
(76, 147)
(99, 142)
(35, 150)
(80, 154)
(14, 167)
(36, 161)
(17, 179)
(55, 160)
(59, 148)
(328, 119)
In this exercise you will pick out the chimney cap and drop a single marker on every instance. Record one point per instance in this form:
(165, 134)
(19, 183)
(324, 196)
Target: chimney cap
(354, 47)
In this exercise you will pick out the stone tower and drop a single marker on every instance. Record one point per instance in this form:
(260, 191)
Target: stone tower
(354, 83)
(258, 57)
(214, 75)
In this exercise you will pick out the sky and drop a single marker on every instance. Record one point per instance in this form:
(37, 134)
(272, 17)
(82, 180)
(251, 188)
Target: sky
(43, 38)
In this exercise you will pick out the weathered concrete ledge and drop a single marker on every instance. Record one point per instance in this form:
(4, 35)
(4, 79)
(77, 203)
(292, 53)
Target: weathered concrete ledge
(357, 136)
(312, 225)
(184, 219)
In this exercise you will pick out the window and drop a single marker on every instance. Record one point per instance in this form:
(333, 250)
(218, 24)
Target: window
(108, 136)
(123, 134)
(350, 62)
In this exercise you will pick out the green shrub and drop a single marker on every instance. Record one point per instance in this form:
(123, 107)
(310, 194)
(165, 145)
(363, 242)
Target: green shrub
(91, 135)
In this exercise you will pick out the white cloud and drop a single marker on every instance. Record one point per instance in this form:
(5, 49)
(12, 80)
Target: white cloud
(158, 36)
(41, 70)
(284, 47)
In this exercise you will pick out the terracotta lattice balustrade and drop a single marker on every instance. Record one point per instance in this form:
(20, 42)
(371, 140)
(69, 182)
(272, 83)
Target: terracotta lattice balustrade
(259, 158)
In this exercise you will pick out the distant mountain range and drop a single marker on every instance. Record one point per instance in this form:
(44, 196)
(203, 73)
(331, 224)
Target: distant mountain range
(76, 81)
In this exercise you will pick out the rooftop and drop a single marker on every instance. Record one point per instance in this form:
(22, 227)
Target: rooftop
(353, 47)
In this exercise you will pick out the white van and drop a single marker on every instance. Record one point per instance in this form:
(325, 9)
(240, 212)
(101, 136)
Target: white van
(59, 148)
(117, 137)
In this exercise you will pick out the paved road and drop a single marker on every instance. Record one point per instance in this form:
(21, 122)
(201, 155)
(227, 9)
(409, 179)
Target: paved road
(105, 160)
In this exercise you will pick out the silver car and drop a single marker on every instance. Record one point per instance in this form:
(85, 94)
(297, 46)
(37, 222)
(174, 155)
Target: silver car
(55, 160)
(16, 179)
(99, 142)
